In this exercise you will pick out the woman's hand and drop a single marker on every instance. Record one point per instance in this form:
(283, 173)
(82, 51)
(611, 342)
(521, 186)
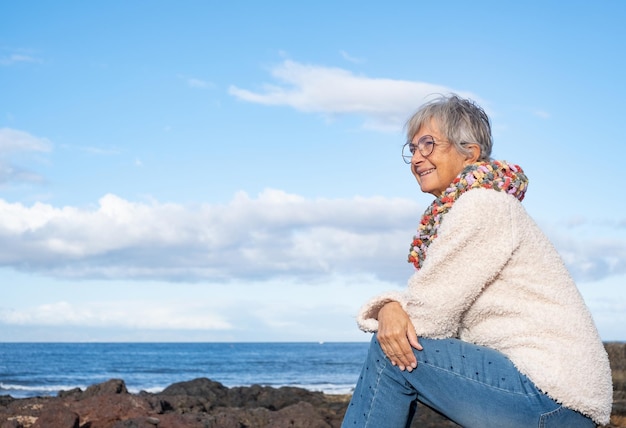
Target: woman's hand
(397, 336)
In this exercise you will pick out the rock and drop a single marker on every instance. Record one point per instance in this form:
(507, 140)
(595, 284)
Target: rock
(57, 416)
(112, 386)
(271, 398)
(300, 415)
(198, 395)
(137, 423)
(200, 387)
(103, 411)
(11, 423)
(617, 358)
(71, 393)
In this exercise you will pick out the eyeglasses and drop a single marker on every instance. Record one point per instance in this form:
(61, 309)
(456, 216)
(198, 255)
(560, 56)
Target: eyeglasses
(425, 145)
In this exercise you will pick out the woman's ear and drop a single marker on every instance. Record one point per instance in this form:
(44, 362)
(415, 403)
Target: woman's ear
(474, 153)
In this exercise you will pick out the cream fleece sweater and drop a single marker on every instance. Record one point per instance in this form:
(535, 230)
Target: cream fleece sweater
(492, 278)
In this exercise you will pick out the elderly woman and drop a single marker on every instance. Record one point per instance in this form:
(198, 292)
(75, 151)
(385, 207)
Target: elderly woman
(491, 330)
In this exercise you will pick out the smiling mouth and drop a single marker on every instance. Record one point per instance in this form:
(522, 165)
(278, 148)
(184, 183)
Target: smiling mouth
(423, 173)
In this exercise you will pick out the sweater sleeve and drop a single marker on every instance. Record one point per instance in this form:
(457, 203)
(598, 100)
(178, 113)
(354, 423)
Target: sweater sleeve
(475, 241)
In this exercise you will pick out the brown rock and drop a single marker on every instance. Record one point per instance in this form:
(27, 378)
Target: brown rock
(10, 423)
(300, 415)
(112, 386)
(271, 398)
(617, 358)
(104, 410)
(57, 416)
(198, 395)
(137, 423)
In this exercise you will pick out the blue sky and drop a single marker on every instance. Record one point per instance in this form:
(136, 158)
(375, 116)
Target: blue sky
(231, 171)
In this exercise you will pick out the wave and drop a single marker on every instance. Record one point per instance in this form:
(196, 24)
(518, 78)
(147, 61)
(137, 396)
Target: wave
(331, 389)
(326, 388)
(151, 390)
(30, 390)
(24, 391)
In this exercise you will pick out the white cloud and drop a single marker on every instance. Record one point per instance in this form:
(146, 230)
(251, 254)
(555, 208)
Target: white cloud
(384, 104)
(13, 173)
(197, 83)
(126, 314)
(274, 235)
(595, 259)
(13, 140)
(592, 250)
(345, 55)
(194, 82)
(95, 151)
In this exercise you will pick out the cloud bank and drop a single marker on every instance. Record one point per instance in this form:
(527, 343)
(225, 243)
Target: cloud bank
(275, 235)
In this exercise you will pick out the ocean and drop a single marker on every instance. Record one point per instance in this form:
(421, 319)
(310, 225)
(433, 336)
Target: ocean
(44, 369)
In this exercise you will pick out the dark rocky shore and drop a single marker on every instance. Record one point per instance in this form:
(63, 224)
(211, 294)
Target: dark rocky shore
(202, 403)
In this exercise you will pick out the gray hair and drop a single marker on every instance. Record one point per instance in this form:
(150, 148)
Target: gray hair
(460, 120)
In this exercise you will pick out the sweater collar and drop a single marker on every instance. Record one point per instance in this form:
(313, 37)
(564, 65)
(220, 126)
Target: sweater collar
(497, 175)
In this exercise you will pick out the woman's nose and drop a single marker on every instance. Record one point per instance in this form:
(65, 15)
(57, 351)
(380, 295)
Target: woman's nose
(417, 157)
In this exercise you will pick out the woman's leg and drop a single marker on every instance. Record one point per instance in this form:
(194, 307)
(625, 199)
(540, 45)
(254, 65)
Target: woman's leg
(472, 385)
(382, 396)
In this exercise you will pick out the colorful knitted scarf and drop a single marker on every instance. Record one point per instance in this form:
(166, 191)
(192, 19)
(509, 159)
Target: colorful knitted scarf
(498, 175)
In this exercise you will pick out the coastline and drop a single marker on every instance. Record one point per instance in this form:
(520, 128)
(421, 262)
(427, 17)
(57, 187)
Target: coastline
(199, 403)
(203, 403)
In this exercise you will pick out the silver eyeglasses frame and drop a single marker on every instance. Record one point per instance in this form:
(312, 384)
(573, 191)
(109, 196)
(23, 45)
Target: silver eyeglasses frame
(425, 145)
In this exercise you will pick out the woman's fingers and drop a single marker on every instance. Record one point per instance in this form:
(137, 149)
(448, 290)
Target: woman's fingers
(412, 336)
(398, 351)
(396, 336)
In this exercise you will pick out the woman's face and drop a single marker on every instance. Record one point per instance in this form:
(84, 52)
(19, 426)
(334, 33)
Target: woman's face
(435, 172)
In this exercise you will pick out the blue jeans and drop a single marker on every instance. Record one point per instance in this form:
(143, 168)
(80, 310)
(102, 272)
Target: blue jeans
(472, 385)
